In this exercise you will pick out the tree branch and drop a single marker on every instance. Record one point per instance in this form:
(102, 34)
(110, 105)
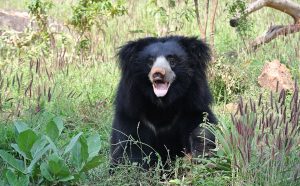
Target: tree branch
(286, 6)
(273, 33)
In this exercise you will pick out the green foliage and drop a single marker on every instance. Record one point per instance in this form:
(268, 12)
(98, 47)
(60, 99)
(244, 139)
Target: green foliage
(244, 25)
(213, 171)
(170, 16)
(227, 81)
(36, 40)
(54, 128)
(15, 180)
(93, 13)
(38, 155)
(39, 10)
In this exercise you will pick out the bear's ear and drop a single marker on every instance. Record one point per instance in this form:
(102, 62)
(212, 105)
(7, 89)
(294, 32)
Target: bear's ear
(129, 52)
(198, 50)
(126, 54)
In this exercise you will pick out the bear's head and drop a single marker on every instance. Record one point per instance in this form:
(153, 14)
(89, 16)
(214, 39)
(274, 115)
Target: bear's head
(164, 69)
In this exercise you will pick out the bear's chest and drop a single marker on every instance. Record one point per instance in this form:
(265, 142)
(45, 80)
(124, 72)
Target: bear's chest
(161, 124)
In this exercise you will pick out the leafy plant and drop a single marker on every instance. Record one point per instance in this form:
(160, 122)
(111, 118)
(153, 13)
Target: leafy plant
(170, 16)
(89, 13)
(244, 25)
(226, 81)
(39, 11)
(38, 156)
(34, 41)
(86, 13)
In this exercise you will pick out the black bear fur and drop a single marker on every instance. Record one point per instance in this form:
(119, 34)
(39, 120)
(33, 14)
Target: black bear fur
(175, 118)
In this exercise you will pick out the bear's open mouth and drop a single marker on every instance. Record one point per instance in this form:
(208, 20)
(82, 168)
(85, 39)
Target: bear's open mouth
(160, 88)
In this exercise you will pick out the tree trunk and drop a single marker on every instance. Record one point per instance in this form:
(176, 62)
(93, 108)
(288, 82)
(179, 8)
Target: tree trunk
(212, 25)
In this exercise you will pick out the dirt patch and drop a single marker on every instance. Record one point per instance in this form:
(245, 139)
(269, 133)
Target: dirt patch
(275, 72)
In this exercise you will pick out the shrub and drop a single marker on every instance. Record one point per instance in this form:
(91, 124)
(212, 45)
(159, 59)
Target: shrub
(90, 13)
(38, 157)
(227, 81)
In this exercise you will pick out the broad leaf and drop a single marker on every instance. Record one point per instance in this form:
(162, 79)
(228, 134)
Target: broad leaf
(58, 167)
(37, 157)
(80, 153)
(12, 179)
(45, 171)
(84, 149)
(59, 123)
(94, 162)
(25, 140)
(8, 158)
(52, 145)
(54, 128)
(38, 146)
(20, 127)
(24, 180)
(175, 181)
(68, 178)
(16, 148)
(52, 131)
(93, 143)
(72, 143)
(76, 155)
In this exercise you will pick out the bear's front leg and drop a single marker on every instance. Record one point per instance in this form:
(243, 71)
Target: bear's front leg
(197, 140)
(131, 142)
(202, 141)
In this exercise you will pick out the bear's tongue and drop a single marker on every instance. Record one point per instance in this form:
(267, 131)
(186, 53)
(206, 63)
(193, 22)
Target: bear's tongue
(160, 89)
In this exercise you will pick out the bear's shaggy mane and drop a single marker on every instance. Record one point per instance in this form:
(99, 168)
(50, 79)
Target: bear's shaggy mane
(169, 124)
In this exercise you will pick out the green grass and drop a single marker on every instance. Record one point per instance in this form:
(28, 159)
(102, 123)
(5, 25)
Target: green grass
(83, 89)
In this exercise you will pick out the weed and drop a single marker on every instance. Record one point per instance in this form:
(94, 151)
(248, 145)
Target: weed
(38, 155)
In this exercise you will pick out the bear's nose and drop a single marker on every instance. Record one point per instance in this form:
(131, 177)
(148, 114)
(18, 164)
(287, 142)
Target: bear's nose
(157, 76)
(158, 73)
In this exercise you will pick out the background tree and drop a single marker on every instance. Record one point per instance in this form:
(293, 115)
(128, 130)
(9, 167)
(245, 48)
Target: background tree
(210, 14)
(286, 6)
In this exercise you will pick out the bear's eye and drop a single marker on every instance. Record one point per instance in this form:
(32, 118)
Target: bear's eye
(150, 61)
(172, 60)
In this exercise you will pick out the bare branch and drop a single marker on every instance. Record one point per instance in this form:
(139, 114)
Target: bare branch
(286, 6)
(273, 33)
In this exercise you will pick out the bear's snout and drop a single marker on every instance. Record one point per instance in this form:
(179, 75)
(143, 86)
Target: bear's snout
(161, 71)
(158, 74)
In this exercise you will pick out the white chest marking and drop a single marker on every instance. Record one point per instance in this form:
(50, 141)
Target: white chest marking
(157, 130)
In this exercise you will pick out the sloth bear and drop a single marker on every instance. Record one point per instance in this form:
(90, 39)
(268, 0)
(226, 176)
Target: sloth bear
(162, 98)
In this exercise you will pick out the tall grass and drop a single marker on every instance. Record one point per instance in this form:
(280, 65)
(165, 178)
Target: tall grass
(263, 142)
